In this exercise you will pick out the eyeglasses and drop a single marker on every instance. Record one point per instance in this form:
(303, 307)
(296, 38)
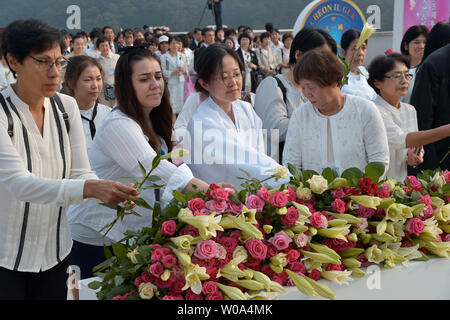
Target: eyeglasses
(46, 65)
(399, 77)
(227, 80)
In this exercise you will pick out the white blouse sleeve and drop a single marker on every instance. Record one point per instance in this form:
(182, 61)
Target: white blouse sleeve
(270, 107)
(292, 150)
(189, 107)
(123, 141)
(165, 66)
(396, 135)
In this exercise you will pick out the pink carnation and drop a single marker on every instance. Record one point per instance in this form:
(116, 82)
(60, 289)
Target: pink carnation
(339, 206)
(216, 206)
(426, 200)
(278, 199)
(292, 195)
(254, 202)
(264, 194)
(290, 218)
(206, 250)
(256, 248)
(446, 174)
(415, 226)
(415, 184)
(168, 227)
(338, 193)
(292, 255)
(318, 220)
(427, 212)
(383, 193)
(280, 240)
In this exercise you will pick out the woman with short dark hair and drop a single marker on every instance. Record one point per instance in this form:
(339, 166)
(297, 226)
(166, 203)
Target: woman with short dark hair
(44, 167)
(332, 130)
(250, 62)
(390, 78)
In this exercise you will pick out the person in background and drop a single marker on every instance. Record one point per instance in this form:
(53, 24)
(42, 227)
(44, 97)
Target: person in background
(77, 50)
(175, 67)
(65, 43)
(220, 35)
(266, 58)
(431, 94)
(284, 61)
(163, 46)
(250, 62)
(357, 78)
(231, 33)
(256, 43)
(276, 45)
(119, 39)
(197, 35)
(413, 46)
(217, 11)
(230, 43)
(45, 167)
(333, 130)
(108, 33)
(91, 50)
(390, 78)
(108, 61)
(138, 34)
(208, 35)
(278, 97)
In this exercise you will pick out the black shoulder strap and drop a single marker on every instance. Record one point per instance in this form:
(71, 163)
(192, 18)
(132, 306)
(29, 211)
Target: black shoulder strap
(282, 87)
(8, 115)
(63, 110)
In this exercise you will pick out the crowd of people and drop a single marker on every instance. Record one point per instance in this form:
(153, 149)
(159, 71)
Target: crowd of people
(80, 112)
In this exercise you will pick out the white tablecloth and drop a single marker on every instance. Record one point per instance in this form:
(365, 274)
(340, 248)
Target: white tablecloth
(420, 280)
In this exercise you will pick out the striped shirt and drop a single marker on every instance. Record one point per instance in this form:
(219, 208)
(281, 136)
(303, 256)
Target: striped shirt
(34, 233)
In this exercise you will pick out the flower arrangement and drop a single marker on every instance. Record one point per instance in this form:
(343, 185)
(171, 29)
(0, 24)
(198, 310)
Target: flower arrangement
(225, 244)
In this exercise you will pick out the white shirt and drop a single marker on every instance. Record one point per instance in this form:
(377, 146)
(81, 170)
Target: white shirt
(91, 52)
(357, 133)
(108, 64)
(117, 147)
(398, 123)
(190, 105)
(274, 113)
(46, 238)
(6, 77)
(358, 85)
(102, 112)
(219, 148)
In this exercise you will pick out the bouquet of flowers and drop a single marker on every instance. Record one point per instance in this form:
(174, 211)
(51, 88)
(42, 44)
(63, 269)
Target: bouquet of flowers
(225, 244)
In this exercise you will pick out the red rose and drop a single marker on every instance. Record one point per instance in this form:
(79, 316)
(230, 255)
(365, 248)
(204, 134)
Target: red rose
(209, 287)
(315, 274)
(339, 206)
(190, 295)
(292, 255)
(290, 218)
(367, 186)
(297, 267)
(215, 296)
(168, 227)
(169, 261)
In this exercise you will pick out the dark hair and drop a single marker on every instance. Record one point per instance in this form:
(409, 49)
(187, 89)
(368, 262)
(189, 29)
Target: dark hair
(247, 29)
(438, 37)
(320, 66)
(75, 68)
(76, 37)
(95, 33)
(275, 30)
(127, 102)
(205, 30)
(23, 37)
(241, 27)
(287, 35)
(127, 31)
(264, 35)
(229, 32)
(244, 35)
(308, 39)
(184, 38)
(411, 34)
(101, 40)
(383, 64)
(210, 60)
(268, 26)
(106, 27)
(348, 37)
(197, 30)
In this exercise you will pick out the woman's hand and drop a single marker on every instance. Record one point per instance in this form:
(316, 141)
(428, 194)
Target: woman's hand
(109, 192)
(413, 159)
(225, 185)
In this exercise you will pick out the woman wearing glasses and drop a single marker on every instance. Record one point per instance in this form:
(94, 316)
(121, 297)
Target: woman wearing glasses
(390, 78)
(225, 133)
(44, 167)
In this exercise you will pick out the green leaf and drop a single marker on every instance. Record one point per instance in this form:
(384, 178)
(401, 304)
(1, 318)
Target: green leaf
(246, 173)
(375, 170)
(143, 170)
(142, 203)
(107, 252)
(94, 285)
(156, 160)
(352, 175)
(328, 174)
(111, 206)
(307, 174)
(295, 172)
(105, 264)
(179, 196)
(119, 250)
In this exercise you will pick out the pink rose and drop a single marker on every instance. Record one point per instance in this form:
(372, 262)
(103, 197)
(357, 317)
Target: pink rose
(145, 277)
(415, 226)
(365, 212)
(290, 218)
(169, 261)
(219, 194)
(156, 269)
(157, 255)
(206, 250)
(230, 191)
(209, 287)
(229, 243)
(189, 230)
(383, 193)
(203, 212)
(256, 248)
(339, 206)
(426, 200)
(235, 208)
(215, 296)
(292, 195)
(338, 193)
(415, 184)
(292, 255)
(168, 227)
(300, 240)
(264, 194)
(155, 246)
(254, 202)
(216, 206)
(278, 199)
(221, 252)
(318, 220)
(446, 174)
(280, 240)
(137, 282)
(196, 204)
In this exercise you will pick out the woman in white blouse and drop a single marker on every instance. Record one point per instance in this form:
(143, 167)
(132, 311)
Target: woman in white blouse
(133, 132)
(84, 80)
(390, 77)
(357, 78)
(225, 134)
(108, 61)
(266, 57)
(278, 97)
(44, 167)
(175, 65)
(332, 130)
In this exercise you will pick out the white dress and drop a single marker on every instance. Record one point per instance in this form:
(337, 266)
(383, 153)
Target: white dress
(398, 123)
(358, 85)
(117, 147)
(175, 84)
(219, 148)
(274, 113)
(353, 137)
